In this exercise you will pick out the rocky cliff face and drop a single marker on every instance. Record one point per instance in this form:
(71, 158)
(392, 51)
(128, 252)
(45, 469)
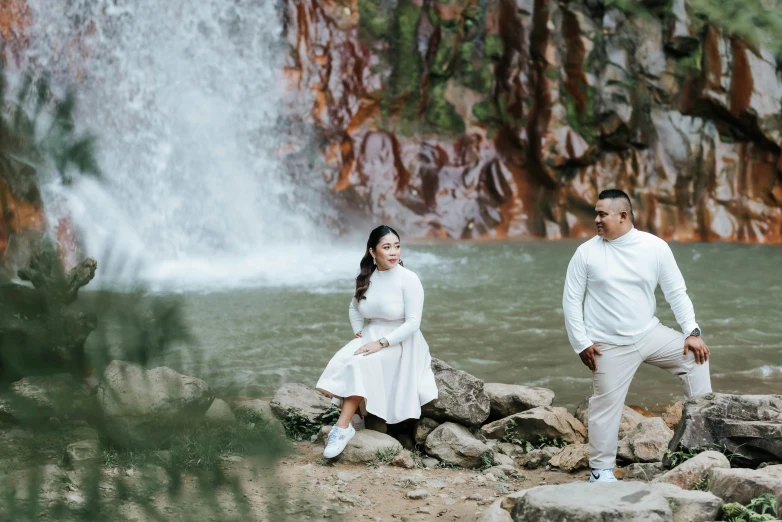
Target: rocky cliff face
(506, 118)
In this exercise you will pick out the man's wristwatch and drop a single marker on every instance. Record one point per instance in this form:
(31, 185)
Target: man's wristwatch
(695, 333)
(383, 342)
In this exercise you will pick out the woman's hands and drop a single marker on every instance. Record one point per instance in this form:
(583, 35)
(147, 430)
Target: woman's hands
(358, 334)
(369, 348)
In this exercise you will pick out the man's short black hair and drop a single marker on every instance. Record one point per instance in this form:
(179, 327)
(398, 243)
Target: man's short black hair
(619, 194)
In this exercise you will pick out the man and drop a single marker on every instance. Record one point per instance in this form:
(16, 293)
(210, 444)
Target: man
(609, 310)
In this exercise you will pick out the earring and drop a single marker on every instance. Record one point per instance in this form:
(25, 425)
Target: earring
(374, 260)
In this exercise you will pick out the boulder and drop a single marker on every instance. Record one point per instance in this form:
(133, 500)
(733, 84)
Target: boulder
(688, 505)
(673, 414)
(141, 407)
(58, 395)
(461, 397)
(646, 471)
(538, 458)
(749, 425)
(495, 513)
(630, 417)
(219, 414)
(257, 410)
(423, 428)
(544, 421)
(454, 444)
(364, 446)
(585, 502)
(647, 442)
(691, 471)
(742, 485)
(294, 398)
(404, 460)
(511, 450)
(571, 458)
(502, 459)
(507, 399)
(83, 452)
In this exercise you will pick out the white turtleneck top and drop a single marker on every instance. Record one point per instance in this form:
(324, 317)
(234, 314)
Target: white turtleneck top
(393, 295)
(609, 290)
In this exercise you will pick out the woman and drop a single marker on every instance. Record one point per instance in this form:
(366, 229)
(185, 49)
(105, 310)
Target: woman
(386, 369)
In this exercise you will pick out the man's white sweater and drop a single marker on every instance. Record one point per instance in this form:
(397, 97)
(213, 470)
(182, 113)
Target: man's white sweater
(609, 290)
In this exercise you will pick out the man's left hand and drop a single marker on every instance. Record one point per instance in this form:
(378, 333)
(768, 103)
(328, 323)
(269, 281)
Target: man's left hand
(698, 347)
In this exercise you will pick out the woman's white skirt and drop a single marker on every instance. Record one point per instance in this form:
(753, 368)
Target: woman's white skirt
(395, 382)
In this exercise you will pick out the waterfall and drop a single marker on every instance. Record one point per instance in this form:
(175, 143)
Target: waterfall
(186, 100)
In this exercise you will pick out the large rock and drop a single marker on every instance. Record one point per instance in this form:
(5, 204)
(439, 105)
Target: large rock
(673, 414)
(461, 397)
(57, 395)
(219, 414)
(585, 502)
(647, 442)
(749, 425)
(687, 505)
(645, 471)
(364, 446)
(630, 417)
(495, 513)
(454, 444)
(141, 407)
(257, 410)
(742, 485)
(507, 399)
(423, 428)
(545, 421)
(572, 458)
(691, 471)
(294, 398)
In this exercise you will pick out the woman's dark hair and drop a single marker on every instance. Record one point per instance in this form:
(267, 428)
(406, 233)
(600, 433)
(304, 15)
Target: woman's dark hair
(368, 266)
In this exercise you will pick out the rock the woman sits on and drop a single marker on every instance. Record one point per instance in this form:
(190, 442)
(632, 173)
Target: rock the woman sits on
(386, 369)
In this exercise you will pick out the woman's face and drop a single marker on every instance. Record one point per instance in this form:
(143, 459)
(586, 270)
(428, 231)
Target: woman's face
(387, 252)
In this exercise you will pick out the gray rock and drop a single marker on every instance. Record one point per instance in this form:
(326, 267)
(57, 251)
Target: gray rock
(461, 397)
(647, 442)
(219, 414)
(454, 444)
(82, 452)
(423, 428)
(571, 458)
(502, 471)
(545, 421)
(507, 399)
(689, 472)
(404, 460)
(630, 417)
(501, 458)
(621, 501)
(436, 484)
(364, 446)
(742, 485)
(538, 458)
(495, 513)
(745, 424)
(430, 462)
(57, 395)
(646, 471)
(298, 398)
(687, 505)
(511, 450)
(141, 407)
(257, 410)
(417, 494)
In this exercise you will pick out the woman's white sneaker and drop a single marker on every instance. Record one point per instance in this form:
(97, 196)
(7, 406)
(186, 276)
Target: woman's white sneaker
(602, 475)
(338, 439)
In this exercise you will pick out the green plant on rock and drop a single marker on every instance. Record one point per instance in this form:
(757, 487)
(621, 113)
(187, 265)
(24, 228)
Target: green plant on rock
(704, 484)
(386, 455)
(487, 460)
(759, 509)
(373, 24)
(440, 113)
(674, 458)
(299, 427)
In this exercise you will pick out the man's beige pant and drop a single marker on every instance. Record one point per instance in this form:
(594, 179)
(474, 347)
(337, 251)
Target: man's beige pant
(662, 347)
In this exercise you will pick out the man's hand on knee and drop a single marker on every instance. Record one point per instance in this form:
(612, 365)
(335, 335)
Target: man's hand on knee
(698, 348)
(589, 357)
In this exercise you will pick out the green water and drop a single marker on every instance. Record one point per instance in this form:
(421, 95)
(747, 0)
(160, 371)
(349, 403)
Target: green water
(494, 310)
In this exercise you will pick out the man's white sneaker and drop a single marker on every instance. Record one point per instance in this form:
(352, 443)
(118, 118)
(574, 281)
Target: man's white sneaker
(338, 439)
(602, 475)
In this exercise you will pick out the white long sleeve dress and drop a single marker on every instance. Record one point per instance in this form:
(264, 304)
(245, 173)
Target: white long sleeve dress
(396, 381)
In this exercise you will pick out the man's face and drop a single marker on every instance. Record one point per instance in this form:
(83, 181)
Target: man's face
(609, 218)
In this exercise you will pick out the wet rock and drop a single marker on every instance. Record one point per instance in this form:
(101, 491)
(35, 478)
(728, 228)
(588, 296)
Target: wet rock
(83, 452)
(545, 421)
(630, 417)
(646, 471)
(461, 399)
(687, 505)
(622, 501)
(423, 428)
(294, 398)
(507, 399)
(454, 444)
(647, 442)
(219, 414)
(743, 424)
(742, 485)
(571, 458)
(691, 471)
(364, 446)
(141, 407)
